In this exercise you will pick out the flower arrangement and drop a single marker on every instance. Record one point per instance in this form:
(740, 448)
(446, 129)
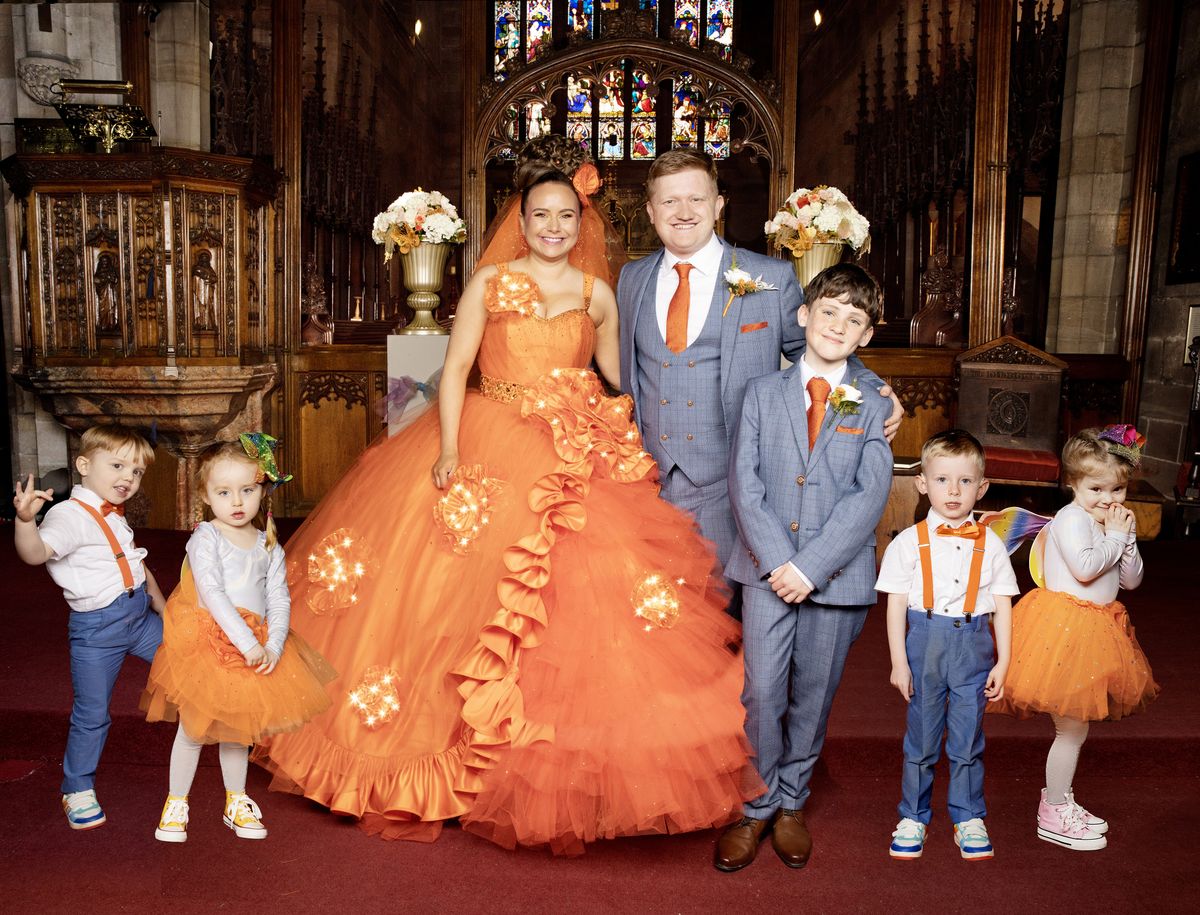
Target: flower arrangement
(823, 214)
(415, 217)
(844, 399)
(741, 283)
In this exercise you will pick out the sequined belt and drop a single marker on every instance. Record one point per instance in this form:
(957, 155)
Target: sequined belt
(499, 390)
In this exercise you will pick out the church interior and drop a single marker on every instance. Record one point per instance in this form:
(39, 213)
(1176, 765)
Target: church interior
(189, 189)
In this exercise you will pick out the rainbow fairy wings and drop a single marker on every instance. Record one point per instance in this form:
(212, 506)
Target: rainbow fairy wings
(1014, 526)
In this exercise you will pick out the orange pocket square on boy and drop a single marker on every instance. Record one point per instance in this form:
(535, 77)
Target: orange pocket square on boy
(747, 328)
(849, 431)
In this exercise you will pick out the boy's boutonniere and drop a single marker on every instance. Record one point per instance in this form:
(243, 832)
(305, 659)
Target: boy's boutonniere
(844, 400)
(741, 283)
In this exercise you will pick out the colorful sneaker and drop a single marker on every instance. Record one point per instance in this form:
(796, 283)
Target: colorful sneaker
(1093, 822)
(243, 816)
(172, 825)
(908, 841)
(1063, 824)
(83, 810)
(971, 837)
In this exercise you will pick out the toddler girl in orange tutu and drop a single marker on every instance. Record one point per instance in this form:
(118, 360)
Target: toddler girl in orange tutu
(1074, 653)
(229, 669)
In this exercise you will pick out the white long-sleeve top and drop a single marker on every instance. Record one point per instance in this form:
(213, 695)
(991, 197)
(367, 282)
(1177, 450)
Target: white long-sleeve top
(228, 577)
(1085, 562)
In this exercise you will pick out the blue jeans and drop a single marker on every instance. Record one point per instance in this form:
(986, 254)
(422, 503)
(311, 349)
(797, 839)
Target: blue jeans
(950, 660)
(100, 641)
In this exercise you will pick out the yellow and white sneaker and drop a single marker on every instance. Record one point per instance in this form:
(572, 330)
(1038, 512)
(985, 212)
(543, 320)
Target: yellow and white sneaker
(243, 816)
(172, 825)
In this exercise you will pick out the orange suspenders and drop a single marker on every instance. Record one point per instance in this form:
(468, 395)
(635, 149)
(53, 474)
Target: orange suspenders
(118, 553)
(923, 551)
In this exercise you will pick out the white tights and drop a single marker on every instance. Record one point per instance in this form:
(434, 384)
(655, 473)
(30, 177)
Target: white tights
(185, 756)
(1069, 735)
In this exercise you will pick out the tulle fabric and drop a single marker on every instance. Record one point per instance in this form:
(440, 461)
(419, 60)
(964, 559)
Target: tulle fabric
(1074, 658)
(199, 678)
(533, 703)
(598, 251)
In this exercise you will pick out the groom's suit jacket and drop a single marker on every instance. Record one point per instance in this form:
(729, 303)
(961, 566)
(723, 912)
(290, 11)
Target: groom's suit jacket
(744, 343)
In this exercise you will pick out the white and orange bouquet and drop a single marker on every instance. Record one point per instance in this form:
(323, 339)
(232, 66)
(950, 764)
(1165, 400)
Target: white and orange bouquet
(822, 214)
(415, 217)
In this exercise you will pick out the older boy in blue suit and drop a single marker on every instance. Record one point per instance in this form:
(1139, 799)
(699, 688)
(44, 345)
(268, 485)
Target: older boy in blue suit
(809, 479)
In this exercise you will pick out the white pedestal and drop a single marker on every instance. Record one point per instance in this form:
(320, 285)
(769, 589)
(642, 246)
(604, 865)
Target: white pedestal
(418, 356)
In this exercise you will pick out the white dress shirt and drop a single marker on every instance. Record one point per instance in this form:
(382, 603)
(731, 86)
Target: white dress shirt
(1083, 561)
(900, 571)
(702, 280)
(83, 564)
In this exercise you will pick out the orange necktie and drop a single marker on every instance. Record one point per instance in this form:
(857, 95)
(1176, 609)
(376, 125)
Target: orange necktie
(677, 311)
(107, 508)
(818, 390)
(969, 530)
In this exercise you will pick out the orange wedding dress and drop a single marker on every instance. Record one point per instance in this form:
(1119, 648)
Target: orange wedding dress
(541, 650)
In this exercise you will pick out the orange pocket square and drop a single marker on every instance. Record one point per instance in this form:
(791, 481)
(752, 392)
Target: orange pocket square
(747, 328)
(849, 431)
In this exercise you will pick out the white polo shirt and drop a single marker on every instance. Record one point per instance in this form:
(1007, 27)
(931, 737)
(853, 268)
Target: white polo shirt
(83, 564)
(900, 571)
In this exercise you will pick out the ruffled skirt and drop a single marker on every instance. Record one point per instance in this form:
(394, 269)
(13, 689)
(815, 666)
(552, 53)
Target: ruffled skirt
(541, 651)
(1074, 658)
(199, 678)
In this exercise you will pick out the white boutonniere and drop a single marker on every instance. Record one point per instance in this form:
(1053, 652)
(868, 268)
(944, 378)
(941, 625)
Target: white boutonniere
(741, 283)
(844, 399)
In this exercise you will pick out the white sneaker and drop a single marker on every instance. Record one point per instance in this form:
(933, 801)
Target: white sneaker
(908, 840)
(971, 837)
(1093, 822)
(83, 810)
(172, 825)
(243, 816)
(1063, 825)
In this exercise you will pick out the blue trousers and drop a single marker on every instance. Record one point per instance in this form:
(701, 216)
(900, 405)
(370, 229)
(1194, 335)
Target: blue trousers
(950, 660)
(794, 656)
(100, 641)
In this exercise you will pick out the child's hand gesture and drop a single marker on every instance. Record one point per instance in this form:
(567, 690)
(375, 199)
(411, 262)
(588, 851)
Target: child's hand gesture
(29, 501)
(902, 680)
(994, 688)
(1118, 519)
(788, 585)
(262, 660)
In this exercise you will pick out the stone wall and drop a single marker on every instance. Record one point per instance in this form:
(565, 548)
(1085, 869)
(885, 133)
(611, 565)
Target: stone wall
(1166, 381)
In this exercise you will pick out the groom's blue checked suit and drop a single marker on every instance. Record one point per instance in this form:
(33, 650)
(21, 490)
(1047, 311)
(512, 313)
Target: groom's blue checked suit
(817, 510)
(688, 403)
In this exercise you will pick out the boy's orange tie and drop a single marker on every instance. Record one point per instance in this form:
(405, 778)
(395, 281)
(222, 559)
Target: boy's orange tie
(818, 390)
(677, 311)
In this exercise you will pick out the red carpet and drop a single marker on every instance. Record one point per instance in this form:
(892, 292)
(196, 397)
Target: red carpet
(1140, 773)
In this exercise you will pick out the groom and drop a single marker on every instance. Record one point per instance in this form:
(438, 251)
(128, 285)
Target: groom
(688, 347)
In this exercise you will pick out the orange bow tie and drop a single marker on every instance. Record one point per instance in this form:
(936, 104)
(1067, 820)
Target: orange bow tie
(970, 529)
(108, 508)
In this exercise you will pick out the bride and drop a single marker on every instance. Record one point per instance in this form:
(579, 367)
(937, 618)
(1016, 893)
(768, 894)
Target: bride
(531, 641)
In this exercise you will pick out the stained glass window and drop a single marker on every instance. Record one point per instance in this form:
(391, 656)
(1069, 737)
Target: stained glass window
(612, 115)
(643, 111)
(720, 26)
(716, 132)
(581, 16)
(536, 122)
(687, 14)
(684, 112)
(538, 22)
(508, 35)
(579, 109)
(648, 5)
(511, 126)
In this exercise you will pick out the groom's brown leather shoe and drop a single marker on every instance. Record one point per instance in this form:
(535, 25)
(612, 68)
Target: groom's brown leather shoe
(739, 844)
(791, 838)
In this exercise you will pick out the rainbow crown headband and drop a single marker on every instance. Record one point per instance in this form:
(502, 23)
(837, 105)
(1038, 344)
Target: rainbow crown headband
(1124, 442)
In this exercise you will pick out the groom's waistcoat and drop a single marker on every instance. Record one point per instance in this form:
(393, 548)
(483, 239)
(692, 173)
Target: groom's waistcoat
(679, 407)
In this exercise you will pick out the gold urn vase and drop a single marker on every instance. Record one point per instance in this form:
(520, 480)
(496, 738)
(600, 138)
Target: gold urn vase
(423, 267)
(821, 255)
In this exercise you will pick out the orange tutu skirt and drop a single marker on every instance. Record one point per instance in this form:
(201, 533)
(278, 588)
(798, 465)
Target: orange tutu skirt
(201, 679)
(541, 651)
(1075, 659)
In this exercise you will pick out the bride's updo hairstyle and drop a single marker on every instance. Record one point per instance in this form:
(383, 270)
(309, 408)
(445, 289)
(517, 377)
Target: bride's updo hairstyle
(528, 179)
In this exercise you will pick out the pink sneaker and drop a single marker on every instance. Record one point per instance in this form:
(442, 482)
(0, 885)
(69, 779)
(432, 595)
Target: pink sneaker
(1093, 822)
(1063, 824)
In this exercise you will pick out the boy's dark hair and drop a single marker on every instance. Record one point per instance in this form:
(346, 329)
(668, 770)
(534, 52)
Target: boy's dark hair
(850, 280)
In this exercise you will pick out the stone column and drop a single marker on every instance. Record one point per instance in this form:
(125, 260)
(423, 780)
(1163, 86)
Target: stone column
(179, 69)
(1101, 93)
